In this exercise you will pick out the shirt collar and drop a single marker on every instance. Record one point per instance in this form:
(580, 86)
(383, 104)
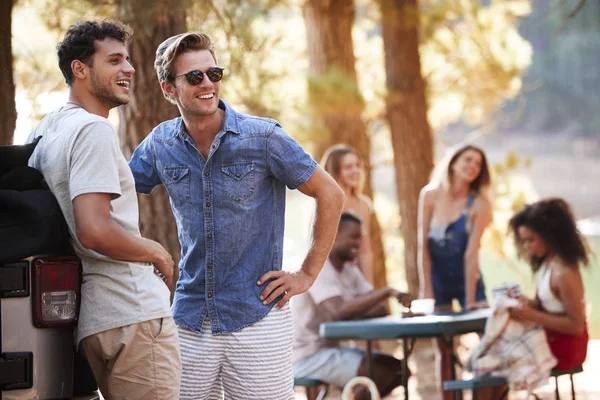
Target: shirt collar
(230, 124)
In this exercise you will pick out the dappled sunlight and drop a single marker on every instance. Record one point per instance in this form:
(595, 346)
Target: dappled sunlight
(473, 58)
(473, 61)
(517, 78)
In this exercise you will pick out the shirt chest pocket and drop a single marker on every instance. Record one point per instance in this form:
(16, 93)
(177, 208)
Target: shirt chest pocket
(177, 181)
(238, 180)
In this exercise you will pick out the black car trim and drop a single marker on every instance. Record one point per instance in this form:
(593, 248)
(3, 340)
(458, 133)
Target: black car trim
(16, 371)
(14, 280)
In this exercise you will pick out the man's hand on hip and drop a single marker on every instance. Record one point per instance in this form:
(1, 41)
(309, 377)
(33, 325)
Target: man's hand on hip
(284, 283)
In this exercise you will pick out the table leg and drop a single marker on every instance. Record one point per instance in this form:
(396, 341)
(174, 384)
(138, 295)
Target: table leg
(369, 359)
(406, 352)
(450, 342)
(457, 394)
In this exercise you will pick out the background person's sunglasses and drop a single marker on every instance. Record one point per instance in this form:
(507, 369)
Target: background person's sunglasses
(195, 77)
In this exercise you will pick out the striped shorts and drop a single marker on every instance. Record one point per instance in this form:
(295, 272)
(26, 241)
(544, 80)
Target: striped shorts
(254, 363)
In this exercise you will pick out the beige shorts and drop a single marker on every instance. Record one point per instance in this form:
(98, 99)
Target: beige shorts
(138, 361)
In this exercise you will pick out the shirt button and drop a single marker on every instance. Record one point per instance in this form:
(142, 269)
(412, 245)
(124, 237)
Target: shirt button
(238, 176)
(209, 266)
(207, 173)
(207, 204)
(210, 295)
(209, 236)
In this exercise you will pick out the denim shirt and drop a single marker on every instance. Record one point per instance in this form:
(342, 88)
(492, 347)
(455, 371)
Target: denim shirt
(229, 211)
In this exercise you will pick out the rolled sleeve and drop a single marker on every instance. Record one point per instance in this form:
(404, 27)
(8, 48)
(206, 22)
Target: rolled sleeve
(143, 167)
(287, 160)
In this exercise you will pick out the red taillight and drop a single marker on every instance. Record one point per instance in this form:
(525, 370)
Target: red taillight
(56, 289)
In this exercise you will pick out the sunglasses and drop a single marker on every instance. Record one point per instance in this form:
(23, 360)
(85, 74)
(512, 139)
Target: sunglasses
(195, 77)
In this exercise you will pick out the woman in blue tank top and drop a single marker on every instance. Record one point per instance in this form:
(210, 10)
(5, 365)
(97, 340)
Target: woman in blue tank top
(453, 214)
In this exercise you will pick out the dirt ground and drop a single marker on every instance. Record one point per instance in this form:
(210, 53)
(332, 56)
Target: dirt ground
(422, 384)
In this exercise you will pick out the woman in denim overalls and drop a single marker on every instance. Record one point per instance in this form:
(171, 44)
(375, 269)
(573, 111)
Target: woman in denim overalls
(453, 214)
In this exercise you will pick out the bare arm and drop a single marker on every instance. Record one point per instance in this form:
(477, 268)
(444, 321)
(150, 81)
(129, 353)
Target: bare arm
(330, 200)
(570, 292)
(365, 255)
(96, 230)
(363, 306)
(380, 310)
(482, 219)
(423, 256)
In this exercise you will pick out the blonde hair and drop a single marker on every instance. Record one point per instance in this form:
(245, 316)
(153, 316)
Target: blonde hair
(170, 49)
(332, 159)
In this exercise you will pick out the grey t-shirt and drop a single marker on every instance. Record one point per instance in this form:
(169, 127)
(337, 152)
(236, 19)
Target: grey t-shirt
(79, 154)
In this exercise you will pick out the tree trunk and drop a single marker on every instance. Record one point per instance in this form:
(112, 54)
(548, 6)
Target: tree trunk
(407, 116)
(8, 111)
(147, 108)
(335, 98)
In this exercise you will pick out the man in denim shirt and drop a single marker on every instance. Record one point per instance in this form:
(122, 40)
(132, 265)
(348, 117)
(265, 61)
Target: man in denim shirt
(226, 174)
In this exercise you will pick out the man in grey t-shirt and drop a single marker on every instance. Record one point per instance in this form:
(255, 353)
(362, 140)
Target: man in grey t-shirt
(125, 328)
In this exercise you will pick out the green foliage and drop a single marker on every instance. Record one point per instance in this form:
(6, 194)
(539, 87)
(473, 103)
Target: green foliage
(245, 47)
(238, 27)
(36, 72)
(57, 15)
(34, 65)
(335, 89)
(472, 57)
(510, 192)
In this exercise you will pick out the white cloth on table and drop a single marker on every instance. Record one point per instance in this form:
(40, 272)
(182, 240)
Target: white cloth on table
(513, 349)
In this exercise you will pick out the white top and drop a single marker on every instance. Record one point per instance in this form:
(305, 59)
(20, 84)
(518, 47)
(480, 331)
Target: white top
(79, 154)
(547, 298)
(349, 283)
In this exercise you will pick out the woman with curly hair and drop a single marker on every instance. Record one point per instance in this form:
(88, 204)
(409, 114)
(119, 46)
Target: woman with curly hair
(547, 236)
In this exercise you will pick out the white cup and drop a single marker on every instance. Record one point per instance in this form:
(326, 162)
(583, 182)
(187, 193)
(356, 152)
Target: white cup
(422, 306)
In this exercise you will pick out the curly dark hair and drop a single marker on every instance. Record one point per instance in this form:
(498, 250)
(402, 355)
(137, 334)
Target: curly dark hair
(79, 42)
(553, 220)
(349, 217)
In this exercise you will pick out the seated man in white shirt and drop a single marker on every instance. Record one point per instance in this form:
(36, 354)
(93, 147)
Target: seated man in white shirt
(341, 292)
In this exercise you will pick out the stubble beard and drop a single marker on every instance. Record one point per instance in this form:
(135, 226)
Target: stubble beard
(193, 108)
(103, 92)
(199, 111)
